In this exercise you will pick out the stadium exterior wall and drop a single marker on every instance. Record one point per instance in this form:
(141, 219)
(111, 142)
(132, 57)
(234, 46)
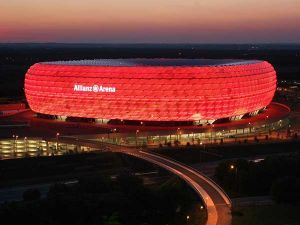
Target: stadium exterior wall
(150, 93)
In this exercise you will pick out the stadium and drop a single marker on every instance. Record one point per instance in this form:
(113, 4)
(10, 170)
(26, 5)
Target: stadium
(197, 91)
(145, 102)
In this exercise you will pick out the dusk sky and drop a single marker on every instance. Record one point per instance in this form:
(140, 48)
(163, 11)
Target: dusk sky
(153, 21)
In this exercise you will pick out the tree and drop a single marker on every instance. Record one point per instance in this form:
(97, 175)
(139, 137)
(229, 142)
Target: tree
(286, 189)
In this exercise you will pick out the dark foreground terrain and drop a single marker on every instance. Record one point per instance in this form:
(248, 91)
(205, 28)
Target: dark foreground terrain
(100, 200)
(105, 189)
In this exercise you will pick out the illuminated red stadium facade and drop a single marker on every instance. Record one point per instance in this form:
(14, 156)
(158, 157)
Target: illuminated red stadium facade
(150, 89)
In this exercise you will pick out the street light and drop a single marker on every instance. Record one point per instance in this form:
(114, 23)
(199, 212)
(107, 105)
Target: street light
(178, 131)
(200, 155)
(16, 143)
(249, 132)
(136, 133)
(187, 218)
(235, 168)
(57, 135)
(25, 142)
(266, 123)
(114, 138)
(14, 137)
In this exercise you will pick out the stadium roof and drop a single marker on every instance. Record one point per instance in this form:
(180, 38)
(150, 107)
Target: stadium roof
(154, 62)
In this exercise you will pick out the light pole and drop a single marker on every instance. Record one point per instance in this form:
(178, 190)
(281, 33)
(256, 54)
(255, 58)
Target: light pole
(200, 152)
(15, 149)
(25, 144)
(57, 135)
(187, 218)
(193, 138)
(249, 132)
(180, 136)
(233, 167)
(267, 127)
(113, 135)
(136, 136)
(14, 144)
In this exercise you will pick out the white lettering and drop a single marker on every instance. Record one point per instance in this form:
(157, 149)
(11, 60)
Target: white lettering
(94, 88)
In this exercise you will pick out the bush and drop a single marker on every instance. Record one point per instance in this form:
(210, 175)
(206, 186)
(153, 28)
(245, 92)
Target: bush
(257, 178)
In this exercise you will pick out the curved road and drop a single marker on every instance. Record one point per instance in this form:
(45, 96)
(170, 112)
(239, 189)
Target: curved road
(217, 203)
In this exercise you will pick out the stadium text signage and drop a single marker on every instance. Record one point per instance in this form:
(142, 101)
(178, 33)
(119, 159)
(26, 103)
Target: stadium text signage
(94, 88)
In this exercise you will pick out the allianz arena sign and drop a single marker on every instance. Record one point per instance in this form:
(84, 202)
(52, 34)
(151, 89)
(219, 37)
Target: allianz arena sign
(94, 88)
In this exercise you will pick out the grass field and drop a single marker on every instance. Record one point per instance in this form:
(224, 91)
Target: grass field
(196, 154)
(278, 214)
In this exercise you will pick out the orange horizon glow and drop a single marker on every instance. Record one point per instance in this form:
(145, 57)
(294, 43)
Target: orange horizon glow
(150, 21)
